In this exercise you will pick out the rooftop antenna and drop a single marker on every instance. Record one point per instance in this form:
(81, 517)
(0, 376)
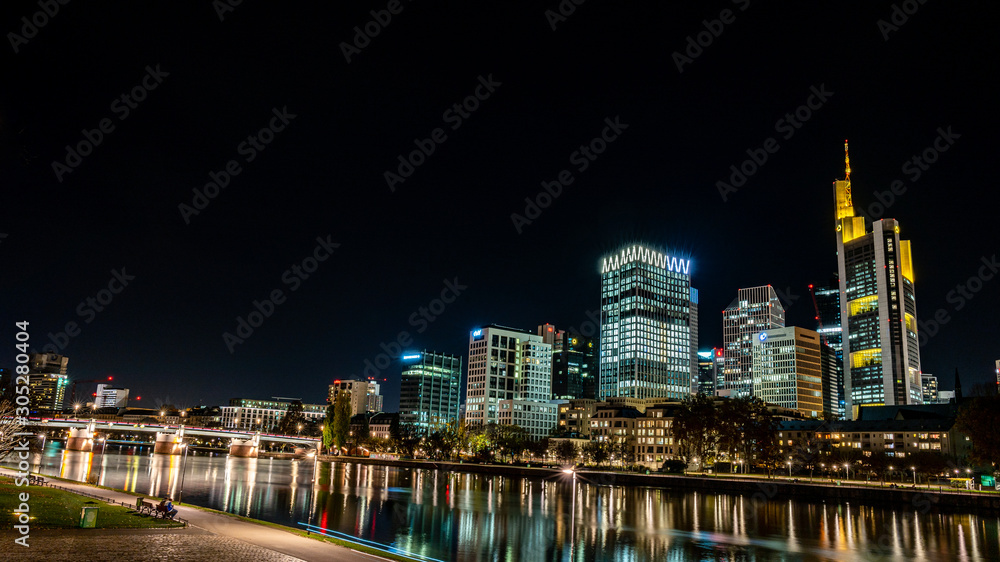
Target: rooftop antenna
(847, 173)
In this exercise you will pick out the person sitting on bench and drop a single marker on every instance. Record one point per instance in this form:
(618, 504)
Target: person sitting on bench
(168, 508)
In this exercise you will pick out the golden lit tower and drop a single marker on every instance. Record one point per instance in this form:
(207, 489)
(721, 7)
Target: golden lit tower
(877, 307)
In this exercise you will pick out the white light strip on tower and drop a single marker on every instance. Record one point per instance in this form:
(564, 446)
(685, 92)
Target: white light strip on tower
(645, 255)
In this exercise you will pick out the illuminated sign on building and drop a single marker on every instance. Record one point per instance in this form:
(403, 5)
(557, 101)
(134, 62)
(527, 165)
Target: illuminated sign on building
(763, 336)
(477, 334)
(406, 357)
(645, 255)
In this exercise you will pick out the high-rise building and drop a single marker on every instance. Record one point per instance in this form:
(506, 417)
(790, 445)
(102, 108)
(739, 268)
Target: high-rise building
(693, 345)
(707, 372)
(510, 380)
(997, 370)
(754, 310)
(878, 308)
(646, 331)
(429, 390)
(572, 363)
(47, 381)
(365, 397)
(787, 371)
(929, 386)
(828, 325)
(111, 397)
(833, 378)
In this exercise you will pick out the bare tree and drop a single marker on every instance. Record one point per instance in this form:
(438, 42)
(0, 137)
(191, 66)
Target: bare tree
(10, 425)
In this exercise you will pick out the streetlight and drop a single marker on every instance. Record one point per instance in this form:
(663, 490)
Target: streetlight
(300, 429)
(890, 473)
(822, 465)
(789, 463)
(847, 470)
(914, 469)
(76, 410)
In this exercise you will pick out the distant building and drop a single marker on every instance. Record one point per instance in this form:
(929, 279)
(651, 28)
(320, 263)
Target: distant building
(878, 307)
(929, 384)
(833, 378)
(998, 372)
(380, 425)
(47, 381)
(787, 369)
(264, 415)
(573, 367)
(429, 390)
(945, 396)
(708, 371)
(111, 397)
(510, 380)
(647, 345)
(830, 331)
(754, 310)
(574, 416)
(365, 397)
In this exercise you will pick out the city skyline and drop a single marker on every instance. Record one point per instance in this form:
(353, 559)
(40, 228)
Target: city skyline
(352, 231)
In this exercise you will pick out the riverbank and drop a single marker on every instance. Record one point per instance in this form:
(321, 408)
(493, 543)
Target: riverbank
(758, 488)
(211, 535)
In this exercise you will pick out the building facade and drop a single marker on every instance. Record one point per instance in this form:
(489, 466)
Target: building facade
(929, 386)
(264, 415)
(573, 365)
(787, 369)
(429, 390)
(646, 345)
(828, 326)
(510, 380)
(708, 371)
(111, 397)
(365, 397)
(754, 310)
(47, 381)
(878, 308)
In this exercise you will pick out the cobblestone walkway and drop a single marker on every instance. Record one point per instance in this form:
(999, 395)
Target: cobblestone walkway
(126, 544)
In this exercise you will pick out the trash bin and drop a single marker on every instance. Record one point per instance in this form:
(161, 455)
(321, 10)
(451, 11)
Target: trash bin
(88, 517)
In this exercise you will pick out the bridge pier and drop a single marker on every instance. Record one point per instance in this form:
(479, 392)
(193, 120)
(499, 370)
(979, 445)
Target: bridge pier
(245, 448)
(167, 443)
(80, 439)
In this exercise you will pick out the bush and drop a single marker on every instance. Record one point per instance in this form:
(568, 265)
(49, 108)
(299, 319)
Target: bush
(673, 466)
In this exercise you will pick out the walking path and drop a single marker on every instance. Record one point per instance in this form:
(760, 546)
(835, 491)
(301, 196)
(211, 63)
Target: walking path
(211, 536)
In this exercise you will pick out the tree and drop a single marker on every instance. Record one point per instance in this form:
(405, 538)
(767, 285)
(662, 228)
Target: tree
(979, 419)
(404, 438)
(596, 452)
(328, 427)
(731, 418)
(292, 419)
(623, 450)
(9, 426)
(760, 436)
(564, 451)
(696, 429)
(341, 419)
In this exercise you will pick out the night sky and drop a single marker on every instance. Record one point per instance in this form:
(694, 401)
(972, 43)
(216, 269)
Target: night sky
(69, 223)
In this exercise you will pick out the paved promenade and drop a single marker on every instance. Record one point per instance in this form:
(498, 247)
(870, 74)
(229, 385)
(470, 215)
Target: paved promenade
(210, 536)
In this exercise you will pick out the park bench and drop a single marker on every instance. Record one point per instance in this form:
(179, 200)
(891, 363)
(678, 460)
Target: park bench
(143, 506)
(36, 480)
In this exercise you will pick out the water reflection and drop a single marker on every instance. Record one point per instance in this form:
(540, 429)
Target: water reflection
(457, 516)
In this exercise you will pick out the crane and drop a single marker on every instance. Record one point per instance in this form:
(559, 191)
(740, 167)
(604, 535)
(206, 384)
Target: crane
(72, 391)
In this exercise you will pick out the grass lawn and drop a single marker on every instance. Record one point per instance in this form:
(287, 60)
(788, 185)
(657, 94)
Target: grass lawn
(58, 509)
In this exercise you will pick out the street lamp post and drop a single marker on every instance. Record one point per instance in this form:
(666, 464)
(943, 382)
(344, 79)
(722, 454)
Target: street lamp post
(847, 471)
(890, 474)
(822, 466)
(914, 469)
(789, 463)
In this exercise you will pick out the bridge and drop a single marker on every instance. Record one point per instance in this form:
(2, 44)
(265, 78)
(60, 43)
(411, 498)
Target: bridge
(169, 438)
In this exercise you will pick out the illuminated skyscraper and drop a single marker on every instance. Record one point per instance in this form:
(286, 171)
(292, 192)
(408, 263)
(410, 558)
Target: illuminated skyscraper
(878, 308)
(646, 332)
(827, 300)
(929, 384)
(47, 381)
(429, 390)
(753, 310)
(572, 363)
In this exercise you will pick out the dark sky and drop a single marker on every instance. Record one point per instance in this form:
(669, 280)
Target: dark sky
(218, 82)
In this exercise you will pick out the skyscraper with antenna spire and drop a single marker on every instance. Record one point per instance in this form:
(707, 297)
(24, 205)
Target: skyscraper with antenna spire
(878, 307)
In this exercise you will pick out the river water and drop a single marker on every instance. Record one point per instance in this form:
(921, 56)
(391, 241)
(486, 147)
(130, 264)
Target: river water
(437, 516)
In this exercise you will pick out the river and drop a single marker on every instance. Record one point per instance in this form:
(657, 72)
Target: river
(442, 516)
